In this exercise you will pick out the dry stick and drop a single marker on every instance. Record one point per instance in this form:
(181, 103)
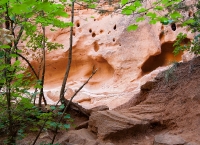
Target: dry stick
(66, 107)
(70, 57)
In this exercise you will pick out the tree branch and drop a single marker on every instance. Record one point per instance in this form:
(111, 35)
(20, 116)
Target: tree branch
(68, 103)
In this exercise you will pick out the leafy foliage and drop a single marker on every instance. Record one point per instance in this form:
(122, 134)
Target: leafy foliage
(174, 12)
(25, 20)
(171, 11)
(194, 25)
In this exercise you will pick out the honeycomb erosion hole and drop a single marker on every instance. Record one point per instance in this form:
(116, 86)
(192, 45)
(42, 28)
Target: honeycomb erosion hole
(166, 57)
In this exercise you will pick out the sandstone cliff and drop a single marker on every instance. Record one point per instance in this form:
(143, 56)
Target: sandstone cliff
(125, 60)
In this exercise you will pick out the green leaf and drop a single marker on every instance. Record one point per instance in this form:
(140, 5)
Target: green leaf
(140, 19)
(3, 2)
(132, 7)
(52, 107)
(53, 124)
(21, 8)
(175, 15)
(127, 12)
(188, 22)
(66, 126)
(165, 1)
(137, 4)
(62, 106)
(13, 55)
(142, 10)
(67, 116)
(4, 46)
(59, 113)
(164, 20)
(151, 15)
(132, 27)
(169, 4)
(159, 8)
(153, 21)
(16, 63)
(123, 2)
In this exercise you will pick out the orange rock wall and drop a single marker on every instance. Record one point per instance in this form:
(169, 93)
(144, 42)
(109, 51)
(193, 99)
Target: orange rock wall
(124, 59)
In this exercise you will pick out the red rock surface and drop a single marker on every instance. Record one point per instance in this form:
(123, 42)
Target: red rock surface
(124, 59)
(167, 113)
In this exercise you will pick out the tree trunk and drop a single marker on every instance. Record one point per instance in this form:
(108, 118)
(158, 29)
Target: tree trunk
(62, 91)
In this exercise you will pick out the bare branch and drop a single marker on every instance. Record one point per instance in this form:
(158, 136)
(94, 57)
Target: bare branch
(66, 107)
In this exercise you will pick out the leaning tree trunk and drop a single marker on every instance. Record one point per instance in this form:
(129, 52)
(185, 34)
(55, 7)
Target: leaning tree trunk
(62, 91)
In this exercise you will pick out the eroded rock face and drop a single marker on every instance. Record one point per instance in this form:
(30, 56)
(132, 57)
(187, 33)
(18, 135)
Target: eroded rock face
(112, 124)
(123, 59)
(168, 114)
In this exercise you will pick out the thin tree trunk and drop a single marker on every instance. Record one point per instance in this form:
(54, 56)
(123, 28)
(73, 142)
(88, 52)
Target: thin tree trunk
(36, 89)
(11, 135)
(62, 91)
(41, 96)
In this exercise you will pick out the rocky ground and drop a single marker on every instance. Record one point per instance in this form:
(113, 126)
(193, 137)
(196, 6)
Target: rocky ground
(165, 112)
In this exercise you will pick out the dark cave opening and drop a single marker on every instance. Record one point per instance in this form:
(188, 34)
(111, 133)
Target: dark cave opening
(166, 57)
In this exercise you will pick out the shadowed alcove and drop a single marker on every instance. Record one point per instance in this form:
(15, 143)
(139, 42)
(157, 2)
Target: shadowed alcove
(166, 57)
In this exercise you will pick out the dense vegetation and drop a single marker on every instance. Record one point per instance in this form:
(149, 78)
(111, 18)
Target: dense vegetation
(26, 20)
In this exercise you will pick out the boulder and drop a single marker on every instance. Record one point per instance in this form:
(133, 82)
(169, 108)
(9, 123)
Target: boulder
(107, 124)
(168, 139)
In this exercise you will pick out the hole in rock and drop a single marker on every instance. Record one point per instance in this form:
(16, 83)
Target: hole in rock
(161, 36)
(113, 39)
(85, 100)
(90, 30)
(163, 59)
(108, 32)
(94, 19)
(104, 73)
(173, 26)
(96, 46)
(162, 27)
(101, 31)
(115, 27)
(190, 14)
(93, 34)
(74, 33)
(77, 24)
(157, 126)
